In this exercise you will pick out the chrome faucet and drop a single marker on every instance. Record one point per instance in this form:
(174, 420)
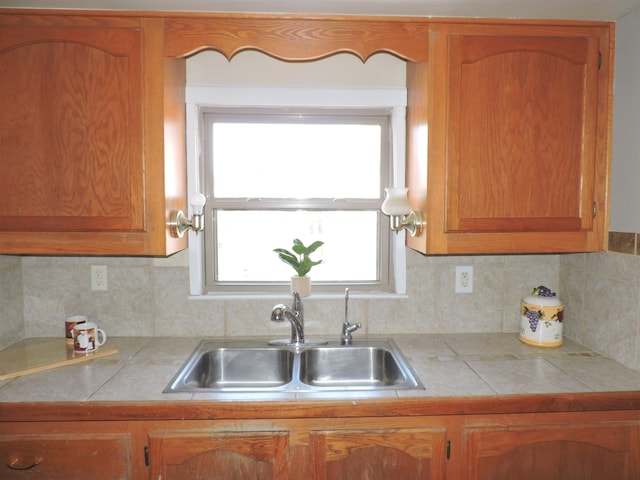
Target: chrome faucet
(348, 328)
(295, 316)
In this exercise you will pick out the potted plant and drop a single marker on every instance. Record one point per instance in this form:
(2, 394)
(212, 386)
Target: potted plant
(300, 261)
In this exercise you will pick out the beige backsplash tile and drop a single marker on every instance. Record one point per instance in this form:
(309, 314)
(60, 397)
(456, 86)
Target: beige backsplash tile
(11, 300)
(573, 281)
(51, 293)
(483, 308)
(174, 314)
(602, 303)
(252, 317)
(611, 317)
(407, 315)
(126, 309)
(614, 265)
(150, 297)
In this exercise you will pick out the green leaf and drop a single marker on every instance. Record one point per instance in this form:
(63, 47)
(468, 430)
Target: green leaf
(299, 247)
(301, 262)
(314, 246)
(287, 257)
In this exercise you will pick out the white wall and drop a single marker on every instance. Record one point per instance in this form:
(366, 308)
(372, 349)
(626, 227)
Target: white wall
(625, 177)
(257, 69)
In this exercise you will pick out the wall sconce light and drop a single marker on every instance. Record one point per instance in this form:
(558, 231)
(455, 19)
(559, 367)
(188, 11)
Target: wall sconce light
(396, 205)
(179, 223)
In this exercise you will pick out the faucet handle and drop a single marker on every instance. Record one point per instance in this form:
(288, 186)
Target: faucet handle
(347, 329)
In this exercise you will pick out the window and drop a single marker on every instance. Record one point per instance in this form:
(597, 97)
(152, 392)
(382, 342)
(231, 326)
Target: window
(272, 174)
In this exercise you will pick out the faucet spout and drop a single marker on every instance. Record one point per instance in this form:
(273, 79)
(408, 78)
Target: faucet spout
(295, 316)
(347, 328)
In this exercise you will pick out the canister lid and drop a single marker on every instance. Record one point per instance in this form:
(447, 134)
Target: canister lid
(542, 301)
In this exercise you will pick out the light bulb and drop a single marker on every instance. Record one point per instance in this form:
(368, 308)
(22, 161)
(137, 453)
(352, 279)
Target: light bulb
(197, 201)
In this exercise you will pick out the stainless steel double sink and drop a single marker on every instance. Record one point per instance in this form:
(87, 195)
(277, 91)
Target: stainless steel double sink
(256, 366)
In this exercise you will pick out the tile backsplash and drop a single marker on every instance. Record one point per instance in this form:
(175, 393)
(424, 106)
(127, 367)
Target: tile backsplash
(150, 297)
(601, 293)
(11, 300)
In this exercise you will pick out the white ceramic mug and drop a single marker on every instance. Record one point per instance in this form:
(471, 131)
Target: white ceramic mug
(71, 322)
(86, 337)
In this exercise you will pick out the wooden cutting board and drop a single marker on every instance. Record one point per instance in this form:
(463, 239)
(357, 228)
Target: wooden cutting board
(38, 354)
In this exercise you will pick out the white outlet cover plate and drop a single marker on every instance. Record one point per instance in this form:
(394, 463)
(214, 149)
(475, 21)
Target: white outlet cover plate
(99, 278)
(464, 279)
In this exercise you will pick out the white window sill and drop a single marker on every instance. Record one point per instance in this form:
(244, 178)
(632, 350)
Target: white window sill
(319, 296)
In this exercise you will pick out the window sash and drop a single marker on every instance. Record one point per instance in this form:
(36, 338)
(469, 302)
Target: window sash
(385, 258)
(385, 282)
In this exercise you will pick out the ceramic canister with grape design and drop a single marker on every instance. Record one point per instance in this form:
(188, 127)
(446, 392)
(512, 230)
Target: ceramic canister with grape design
(541, 318)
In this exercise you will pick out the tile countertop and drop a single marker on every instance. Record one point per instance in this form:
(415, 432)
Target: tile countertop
(449, 365)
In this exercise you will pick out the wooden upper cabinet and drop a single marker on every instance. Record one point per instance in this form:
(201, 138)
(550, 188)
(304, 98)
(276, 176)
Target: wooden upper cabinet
(521, 114)
(517, 155)
(83, 136)
(508, 125)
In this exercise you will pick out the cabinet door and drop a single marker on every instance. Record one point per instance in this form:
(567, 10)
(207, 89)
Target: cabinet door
(69, 457)
(522, 162)
(415, 453)
(82, 136)
(202, 455)
(562, 452)
(71, 129)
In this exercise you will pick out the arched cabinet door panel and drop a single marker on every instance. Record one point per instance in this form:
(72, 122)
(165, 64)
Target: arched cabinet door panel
(82, 136)
(217, 454)
(416, 453)
(509, 132)
(569, 451)
(72, 132)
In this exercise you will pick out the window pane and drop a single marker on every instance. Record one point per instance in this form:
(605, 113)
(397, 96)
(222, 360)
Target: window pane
(246, 255)
(288, 160)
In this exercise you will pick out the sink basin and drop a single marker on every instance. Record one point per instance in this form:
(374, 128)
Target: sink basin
(241, 367)
(352, 366)
(256, 366)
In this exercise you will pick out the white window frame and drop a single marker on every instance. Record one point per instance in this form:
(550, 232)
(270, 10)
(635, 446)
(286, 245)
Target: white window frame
(197, 97)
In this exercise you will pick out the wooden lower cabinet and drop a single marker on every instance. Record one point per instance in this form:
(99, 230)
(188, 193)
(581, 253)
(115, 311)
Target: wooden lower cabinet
(551, 447)
(375, 453)
(224, 455)
(65, 452)
(355, 448)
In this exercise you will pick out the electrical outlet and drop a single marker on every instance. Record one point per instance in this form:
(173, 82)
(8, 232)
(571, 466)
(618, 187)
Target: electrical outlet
(99, 277)
(464, 279)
